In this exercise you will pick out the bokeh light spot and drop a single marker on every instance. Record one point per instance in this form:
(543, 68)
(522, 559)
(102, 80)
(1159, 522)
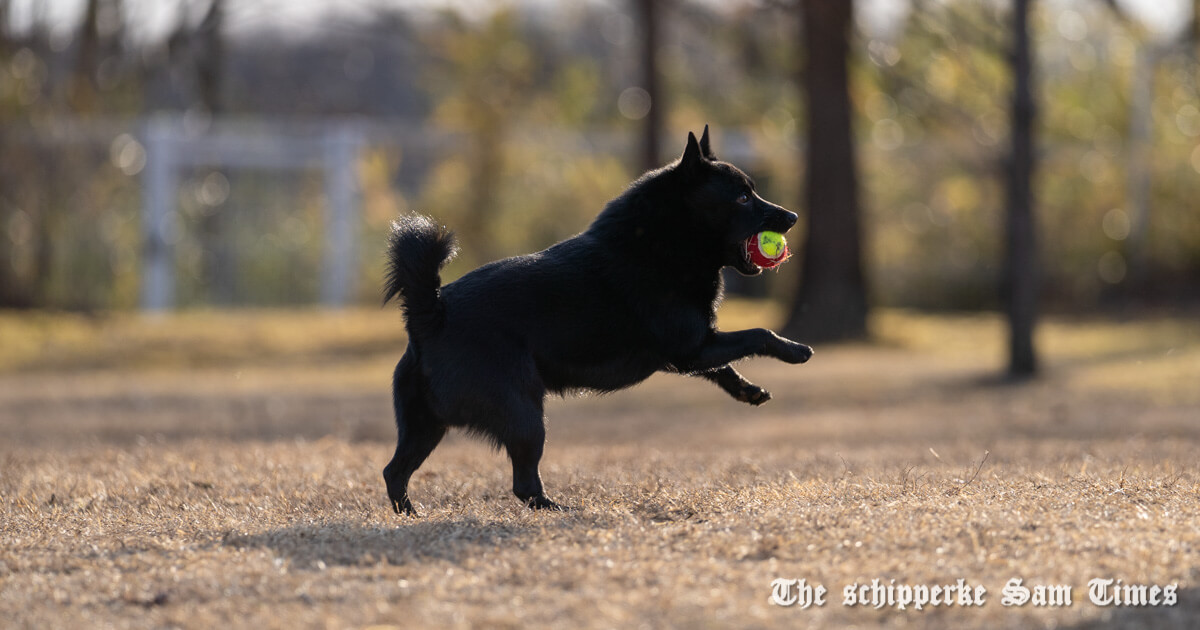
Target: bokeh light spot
(1115, 224)
(634, 103)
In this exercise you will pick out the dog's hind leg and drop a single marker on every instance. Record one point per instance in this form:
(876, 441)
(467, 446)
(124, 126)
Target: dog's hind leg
(736, 385)
(524, 443)
(418, 437)
(419, 431)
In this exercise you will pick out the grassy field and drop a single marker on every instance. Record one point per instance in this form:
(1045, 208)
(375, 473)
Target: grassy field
(222, 469)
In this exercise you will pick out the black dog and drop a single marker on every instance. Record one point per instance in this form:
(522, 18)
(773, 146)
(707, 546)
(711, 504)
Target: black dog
(635, 294)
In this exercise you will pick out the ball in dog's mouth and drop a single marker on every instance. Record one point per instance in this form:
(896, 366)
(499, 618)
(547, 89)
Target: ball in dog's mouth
(766, 249)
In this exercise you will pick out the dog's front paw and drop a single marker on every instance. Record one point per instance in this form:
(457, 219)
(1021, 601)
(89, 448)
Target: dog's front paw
(754, 395)
(796, 352)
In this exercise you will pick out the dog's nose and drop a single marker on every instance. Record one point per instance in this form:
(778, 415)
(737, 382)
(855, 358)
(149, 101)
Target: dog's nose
(789, 219)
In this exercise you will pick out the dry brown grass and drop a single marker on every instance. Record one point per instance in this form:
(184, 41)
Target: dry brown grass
(220, 469)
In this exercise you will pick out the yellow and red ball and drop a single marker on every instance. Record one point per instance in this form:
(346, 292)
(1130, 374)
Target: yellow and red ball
(767, 249)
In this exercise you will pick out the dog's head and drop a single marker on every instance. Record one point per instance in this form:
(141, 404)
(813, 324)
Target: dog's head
(722, 203)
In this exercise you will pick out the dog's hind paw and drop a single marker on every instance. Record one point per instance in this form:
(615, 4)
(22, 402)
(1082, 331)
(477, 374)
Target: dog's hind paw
(405, 508)
(542, 503)
(754, 395)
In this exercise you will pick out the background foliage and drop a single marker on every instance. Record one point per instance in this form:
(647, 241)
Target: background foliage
(536, 126)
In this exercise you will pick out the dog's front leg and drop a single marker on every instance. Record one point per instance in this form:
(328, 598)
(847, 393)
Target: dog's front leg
(737, 386)
(722, 348)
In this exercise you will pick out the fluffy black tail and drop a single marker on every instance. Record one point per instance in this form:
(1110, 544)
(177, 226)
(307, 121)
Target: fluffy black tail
(417, 250)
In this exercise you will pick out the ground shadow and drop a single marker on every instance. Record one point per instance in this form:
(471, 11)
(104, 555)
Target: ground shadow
(1184, 615)
(345, 543)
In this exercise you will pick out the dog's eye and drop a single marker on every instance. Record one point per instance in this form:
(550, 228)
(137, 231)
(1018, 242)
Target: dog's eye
(743, 199)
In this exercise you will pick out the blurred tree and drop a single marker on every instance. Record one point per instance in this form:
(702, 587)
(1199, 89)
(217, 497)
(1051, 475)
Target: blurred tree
(196, 70)
(831, 303)
(82, 88)
(1020, 284)
(1152, 49)
(98, 46)
(196, 57)
(21, 171)
(648, 12)
(10, 291)
(215, 226)
(210, 58)
(485, 78)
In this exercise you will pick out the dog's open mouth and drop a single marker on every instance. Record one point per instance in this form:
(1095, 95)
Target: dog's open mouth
(742, 261)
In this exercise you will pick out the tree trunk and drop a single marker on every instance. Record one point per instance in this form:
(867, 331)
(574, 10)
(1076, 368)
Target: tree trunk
(1195, 29)
(1141, 138)
(210, 62)
(1020, 286)
(217, 228)
(9, 292)
(81, 87)
(831, 303)
(648, 11)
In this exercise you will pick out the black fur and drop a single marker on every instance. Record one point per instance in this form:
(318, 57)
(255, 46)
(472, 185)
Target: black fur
(636, 293)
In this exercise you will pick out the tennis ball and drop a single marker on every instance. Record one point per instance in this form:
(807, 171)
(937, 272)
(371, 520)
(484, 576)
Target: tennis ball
(767, 249)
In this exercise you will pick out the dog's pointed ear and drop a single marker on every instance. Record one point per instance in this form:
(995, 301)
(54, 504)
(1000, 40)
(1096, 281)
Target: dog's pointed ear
(705, 149)
(692, 154)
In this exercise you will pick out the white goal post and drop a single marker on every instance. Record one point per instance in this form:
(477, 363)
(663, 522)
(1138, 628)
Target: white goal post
(333, 148)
